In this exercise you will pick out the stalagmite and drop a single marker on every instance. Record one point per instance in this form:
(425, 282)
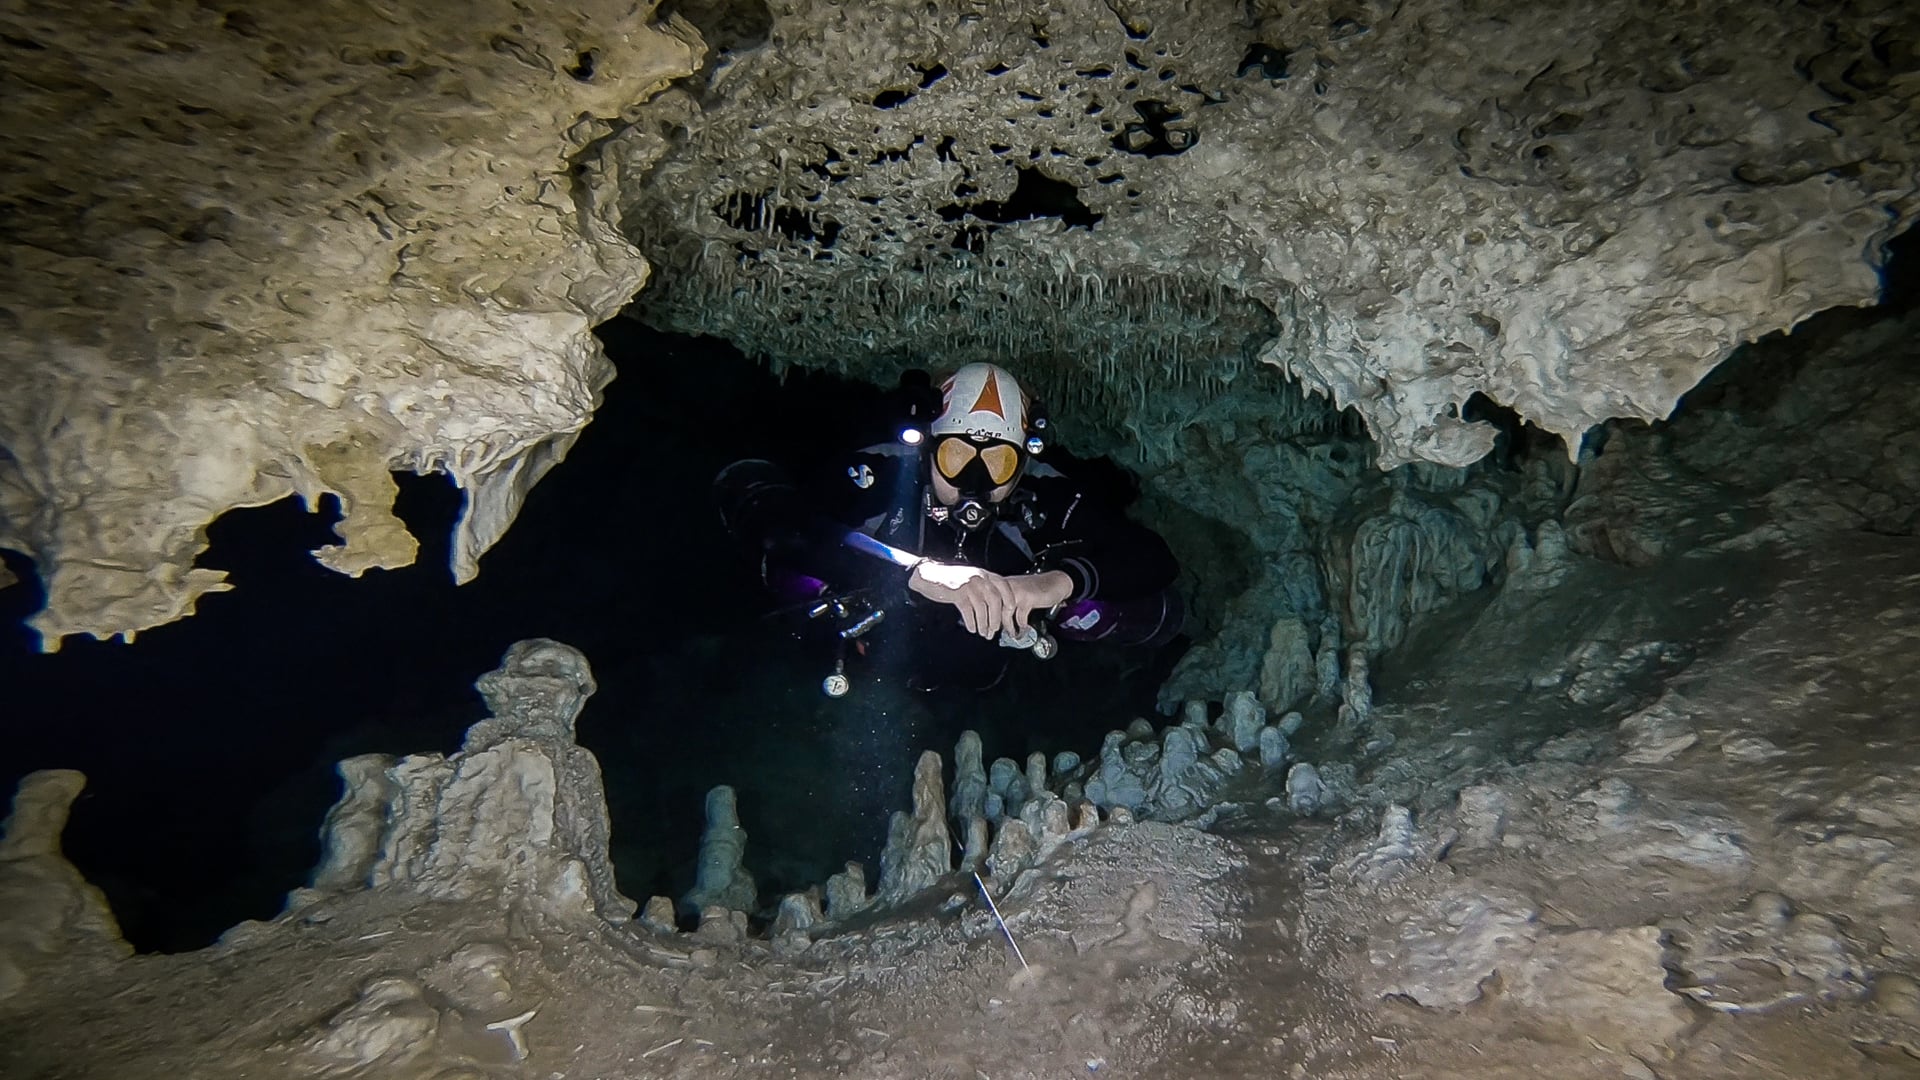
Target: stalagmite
(1273, 749)
(1287, 672)
(1326, 660)
(1305, 792)
(1179, 752)
(1036, 777)
(847, 892)
(798, 911)
(1013, 851)
(1115, 784)
(519, 813)
(1049, 823)
(658, 915)
(723, 925)
(1242, 719)
(1193, 712)
(969, 779)
(353, 828)
(919, 848)
(51, 920)
(1392, 851)
(1007, 789)
(1195, 721)
(973, 848)
(1356, 690)
(721, 879)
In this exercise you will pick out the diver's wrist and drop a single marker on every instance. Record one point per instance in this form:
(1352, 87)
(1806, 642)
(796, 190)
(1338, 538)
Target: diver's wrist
(1057, 587)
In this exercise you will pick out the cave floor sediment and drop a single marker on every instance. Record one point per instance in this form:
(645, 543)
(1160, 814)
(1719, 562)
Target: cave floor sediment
(1714, 875)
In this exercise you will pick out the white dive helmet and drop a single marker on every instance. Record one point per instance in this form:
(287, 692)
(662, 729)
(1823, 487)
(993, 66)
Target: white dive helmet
(982, 401)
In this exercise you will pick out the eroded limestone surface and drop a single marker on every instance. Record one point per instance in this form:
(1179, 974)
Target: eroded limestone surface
(290, 248)
(1576, 212)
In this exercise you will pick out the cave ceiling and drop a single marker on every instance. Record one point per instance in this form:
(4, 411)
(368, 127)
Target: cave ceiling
(287, 249)
(1575, 211)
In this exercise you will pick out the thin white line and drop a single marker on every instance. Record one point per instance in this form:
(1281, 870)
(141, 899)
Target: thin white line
(995, 908)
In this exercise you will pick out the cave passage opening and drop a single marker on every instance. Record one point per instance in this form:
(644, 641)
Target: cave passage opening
(209, 745)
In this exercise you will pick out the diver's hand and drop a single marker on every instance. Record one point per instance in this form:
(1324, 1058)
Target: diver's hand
(989, 603)
(985, 599)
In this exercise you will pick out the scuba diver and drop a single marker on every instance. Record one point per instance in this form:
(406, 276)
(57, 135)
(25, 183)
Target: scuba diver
(954, 545)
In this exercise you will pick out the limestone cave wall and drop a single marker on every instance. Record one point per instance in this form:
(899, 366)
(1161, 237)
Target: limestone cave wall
(289, 248)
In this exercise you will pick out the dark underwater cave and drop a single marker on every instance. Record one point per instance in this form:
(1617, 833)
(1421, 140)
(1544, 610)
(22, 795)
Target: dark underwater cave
(209, 745)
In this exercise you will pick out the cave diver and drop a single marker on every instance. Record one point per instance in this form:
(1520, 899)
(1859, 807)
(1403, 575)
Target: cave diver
(961, 534)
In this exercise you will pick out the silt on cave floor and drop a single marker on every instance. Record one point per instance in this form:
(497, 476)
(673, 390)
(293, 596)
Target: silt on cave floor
(1646, 808)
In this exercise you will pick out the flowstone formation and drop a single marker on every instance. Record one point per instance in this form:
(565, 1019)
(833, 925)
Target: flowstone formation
(289, 249)
(1575, 213)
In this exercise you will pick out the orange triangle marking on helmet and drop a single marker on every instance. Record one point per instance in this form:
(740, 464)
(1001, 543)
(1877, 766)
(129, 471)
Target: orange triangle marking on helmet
(989, 400)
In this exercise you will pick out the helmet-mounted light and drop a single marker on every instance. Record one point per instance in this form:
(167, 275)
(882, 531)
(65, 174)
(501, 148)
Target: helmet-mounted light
(1037, 436)
(917, 403)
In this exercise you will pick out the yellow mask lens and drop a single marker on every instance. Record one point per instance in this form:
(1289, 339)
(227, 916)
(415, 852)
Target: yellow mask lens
(951, 456)
(1001, 461)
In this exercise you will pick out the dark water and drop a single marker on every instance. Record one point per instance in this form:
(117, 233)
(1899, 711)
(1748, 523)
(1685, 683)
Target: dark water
(209, 744)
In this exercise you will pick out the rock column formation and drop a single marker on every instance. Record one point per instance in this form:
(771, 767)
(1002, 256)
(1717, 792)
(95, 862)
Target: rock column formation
(519, 811)
(722, 879)
(51, 919)
(919, 848)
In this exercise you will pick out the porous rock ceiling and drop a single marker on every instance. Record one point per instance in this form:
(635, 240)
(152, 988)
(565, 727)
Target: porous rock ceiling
(1576, 210)
(287, 248)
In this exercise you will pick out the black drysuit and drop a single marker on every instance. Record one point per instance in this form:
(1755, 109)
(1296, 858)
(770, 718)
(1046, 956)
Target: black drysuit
(1122, 572)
